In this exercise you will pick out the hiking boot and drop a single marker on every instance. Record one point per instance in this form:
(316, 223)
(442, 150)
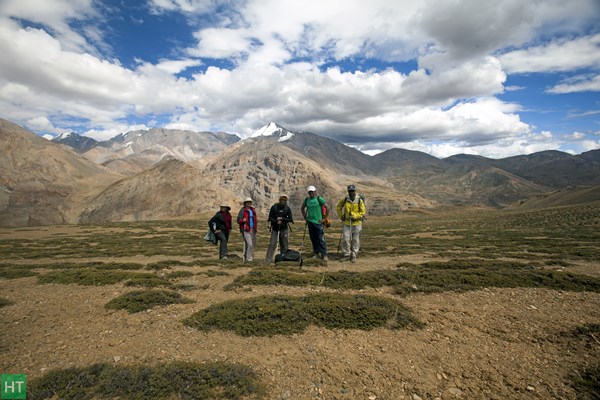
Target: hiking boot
(344, 258)
(224, 258)
(325, 258)
(352, 259)
(316, 255)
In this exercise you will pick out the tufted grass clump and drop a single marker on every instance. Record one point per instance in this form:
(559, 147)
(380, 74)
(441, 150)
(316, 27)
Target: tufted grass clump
(148, 280)
(5, 302)
(143, 300)
(181, 380)
(285, 315)
(15, 272)
(90, 277)
(430, 277)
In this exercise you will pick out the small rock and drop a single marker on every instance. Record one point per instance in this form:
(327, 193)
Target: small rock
(117, 358)
(455, 392)
(416, 397)
(531, 388)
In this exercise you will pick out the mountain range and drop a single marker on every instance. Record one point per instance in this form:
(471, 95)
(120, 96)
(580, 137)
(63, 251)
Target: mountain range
(165, 173)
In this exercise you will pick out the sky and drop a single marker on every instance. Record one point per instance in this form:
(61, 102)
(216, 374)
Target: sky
(495, 78)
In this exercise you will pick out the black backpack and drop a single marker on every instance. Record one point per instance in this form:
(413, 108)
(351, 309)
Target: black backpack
(289, 255)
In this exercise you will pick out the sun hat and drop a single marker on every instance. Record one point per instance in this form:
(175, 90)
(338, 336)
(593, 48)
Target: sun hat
(311, 189)
(248, 200)
(225, 206)
(283, 196)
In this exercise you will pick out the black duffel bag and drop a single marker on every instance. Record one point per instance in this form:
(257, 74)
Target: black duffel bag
(289, 256)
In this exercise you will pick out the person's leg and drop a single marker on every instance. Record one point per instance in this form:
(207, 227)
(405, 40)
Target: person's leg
(253, 244)
(322, 245)
(346, 237)
(247, 244)
(223, 244)
(272, 246)
(313, 232)
(356, 232)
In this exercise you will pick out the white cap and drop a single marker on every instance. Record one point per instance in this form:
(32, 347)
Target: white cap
(311, 189)
(248, 200)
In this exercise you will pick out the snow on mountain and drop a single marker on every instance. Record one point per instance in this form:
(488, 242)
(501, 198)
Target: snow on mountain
(272, 129)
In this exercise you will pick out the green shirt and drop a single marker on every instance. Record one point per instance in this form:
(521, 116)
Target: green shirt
(313, 209)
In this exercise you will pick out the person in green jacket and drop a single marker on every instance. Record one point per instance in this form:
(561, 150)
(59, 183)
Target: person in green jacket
(312, 211)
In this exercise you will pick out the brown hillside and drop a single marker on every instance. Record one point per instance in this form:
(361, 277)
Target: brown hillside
(42, 182)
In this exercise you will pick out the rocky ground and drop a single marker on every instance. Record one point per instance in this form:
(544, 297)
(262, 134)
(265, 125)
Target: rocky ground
(486, 344)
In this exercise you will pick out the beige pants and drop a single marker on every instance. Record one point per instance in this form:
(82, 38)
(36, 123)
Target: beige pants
(249, 244)
(351, 240)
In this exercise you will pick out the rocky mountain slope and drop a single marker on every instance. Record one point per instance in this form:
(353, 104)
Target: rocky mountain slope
(168, 173)
(43, 183)
(137, 151)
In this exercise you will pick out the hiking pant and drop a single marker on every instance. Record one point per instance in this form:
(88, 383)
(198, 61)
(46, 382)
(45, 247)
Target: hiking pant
(223, 238)
(351, 240)
(283, 236)
(317, 238)
(249, 243)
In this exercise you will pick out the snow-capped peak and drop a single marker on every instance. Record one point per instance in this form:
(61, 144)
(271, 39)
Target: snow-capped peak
(64, 136)
(272, 129)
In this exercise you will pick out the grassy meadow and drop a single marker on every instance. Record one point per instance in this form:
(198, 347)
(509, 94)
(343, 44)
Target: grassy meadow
(163, 262)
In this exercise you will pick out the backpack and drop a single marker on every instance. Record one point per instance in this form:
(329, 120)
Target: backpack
(327, 222)
(289, 255)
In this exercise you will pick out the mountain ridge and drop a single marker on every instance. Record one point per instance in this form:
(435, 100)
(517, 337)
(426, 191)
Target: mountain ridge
(157, 179)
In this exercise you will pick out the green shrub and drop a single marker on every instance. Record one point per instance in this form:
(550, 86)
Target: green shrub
(182, 380)
(15, 273)
(148, 280)
(90, 277)
(144, 300)
(586, 383)
(5, 302)
(285, 315)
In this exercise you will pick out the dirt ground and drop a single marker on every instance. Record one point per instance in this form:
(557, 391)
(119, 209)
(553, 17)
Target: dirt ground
(487, 344)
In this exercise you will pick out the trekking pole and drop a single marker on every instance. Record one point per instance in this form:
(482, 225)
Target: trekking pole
(340, 242)
(304, 236)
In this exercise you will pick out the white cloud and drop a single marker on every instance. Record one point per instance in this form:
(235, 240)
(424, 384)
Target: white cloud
(558, 55)
(577, 84)
(55, 73)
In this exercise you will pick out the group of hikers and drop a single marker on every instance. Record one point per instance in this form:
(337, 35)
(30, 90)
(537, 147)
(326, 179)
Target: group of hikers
(315, 211)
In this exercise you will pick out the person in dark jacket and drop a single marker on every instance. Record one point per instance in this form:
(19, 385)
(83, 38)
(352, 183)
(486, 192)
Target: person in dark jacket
(220, 225)
(248, 222)
(280, 216)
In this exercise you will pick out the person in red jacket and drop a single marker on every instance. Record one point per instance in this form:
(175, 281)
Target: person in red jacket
(248, 222)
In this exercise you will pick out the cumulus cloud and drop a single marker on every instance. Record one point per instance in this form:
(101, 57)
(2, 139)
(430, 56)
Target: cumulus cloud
(281, 57)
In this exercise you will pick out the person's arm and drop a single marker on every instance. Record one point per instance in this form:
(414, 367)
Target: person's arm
(273, 215)
(361, 210)
(288, 217)
(303, 209)
(212, 223)
(340, 208)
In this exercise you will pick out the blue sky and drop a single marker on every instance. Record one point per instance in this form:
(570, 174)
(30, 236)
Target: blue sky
(490, 77)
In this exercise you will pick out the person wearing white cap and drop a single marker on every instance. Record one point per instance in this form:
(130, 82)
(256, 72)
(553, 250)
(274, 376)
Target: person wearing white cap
(248, 222)
(351, 210)
(220, 225)
(312, 211)
(280, 216)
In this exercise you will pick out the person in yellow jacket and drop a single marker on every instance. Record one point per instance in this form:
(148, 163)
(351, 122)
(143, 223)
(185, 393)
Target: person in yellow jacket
(351, 210)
